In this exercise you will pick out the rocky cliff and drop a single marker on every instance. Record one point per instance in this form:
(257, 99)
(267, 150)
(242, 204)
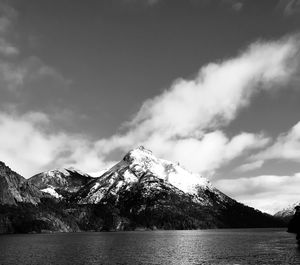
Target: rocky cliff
(15, 189)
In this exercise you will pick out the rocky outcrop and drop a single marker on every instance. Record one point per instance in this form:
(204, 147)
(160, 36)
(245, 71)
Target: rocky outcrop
(15, 189)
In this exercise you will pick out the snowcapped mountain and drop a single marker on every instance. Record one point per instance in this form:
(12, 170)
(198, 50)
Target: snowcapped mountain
(139, 165)
(141, 161)
(60, 182)
(151, 192)
(288, 212)
(141, 191)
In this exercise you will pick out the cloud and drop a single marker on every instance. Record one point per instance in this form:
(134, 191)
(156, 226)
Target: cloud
(187, 119)
(27, 142)
(286, 146)
(185, 123)
(23, 145)
(219, 90)
(236, 5)
(15, 73)
(8, 16)
(209, 153)
(7, 49)
(28, 146)
(8, 76)
(250, 166)
(269, 193)
(289, 7)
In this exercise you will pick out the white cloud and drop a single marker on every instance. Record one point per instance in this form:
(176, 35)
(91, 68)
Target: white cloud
(23, 145)
(183, 124)
(286, 146)
(28, 147)
(207, 154)
(186, 120)
(268, 193)
(214, 97)
(27, 143)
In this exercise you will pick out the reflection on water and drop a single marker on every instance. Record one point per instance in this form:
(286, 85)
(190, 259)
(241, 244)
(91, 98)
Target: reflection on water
(224, 246)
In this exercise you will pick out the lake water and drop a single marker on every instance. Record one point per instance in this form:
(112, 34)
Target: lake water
(224, 246)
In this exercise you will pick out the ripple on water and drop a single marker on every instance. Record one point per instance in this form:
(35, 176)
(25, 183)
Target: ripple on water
(224, 246)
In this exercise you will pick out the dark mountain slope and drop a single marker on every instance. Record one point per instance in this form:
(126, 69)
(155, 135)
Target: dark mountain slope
(15, 189)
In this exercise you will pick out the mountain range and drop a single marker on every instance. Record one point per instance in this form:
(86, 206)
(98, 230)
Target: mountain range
(139, 192)
(287, 213)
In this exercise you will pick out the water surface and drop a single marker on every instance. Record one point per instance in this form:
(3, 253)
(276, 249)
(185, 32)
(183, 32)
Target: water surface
(223, 246)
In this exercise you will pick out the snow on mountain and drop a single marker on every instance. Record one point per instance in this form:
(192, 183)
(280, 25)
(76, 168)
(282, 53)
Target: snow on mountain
(287, 212)
(141, 160)
(58, 181)
(52, 192)
(138, 165)
(139, 191)
(99, 173)
(61, 173)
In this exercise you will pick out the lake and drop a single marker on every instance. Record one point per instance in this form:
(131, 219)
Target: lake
(222, 246)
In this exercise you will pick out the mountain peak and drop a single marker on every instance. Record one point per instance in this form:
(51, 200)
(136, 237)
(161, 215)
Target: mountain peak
(139, 153)
(143, 149)
(7, 171)
(59, 181)
(4, 166)
(141, 161)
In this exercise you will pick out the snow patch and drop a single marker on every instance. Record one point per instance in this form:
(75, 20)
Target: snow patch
(52, 192)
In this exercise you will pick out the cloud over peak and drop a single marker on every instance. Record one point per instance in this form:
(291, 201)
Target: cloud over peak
(191, 112)
(185, 123)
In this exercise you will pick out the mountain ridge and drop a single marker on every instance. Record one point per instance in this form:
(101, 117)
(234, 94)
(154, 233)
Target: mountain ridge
(139, 191)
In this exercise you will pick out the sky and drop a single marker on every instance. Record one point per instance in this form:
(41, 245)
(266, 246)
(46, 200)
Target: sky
(213, 85)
